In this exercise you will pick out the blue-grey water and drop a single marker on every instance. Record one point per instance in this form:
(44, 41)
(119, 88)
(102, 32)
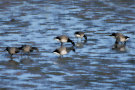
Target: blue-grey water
(95, 65)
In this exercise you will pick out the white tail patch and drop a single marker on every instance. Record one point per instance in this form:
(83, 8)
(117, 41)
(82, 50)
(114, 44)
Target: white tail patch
(56, 53)
(63, 40)
(63, 52)
(57, 40)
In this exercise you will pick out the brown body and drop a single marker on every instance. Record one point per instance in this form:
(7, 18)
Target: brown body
(120, 37)
(63, 39)
(63, 50)
(80, 34)
(60, 51)
(12, 50)
(27, 48)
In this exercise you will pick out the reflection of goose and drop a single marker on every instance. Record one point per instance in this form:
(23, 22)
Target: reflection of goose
(12, 62)
(12, 20)
(119, 37)
(119, 47)
(12, 50)
(26, 60)
(63, 39)
(63, 50)
(28, 48)
(80, 34)
(80, 44)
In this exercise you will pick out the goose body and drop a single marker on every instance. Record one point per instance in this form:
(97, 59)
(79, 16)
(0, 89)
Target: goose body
(80, 34)
(60, 51)
(27, 48)
(12, 50)
(64, 39)
(119, 37)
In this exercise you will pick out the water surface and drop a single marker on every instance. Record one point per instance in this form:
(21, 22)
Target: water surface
(95, 64)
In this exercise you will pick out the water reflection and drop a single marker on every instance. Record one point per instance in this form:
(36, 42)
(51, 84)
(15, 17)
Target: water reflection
(62, 50)
(119, 47)
(26, 60)
(12, 63)
(81, 43)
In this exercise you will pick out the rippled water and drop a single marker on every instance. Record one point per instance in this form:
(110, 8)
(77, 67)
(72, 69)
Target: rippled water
(95, 64)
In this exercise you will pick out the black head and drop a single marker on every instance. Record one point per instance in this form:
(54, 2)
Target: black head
(57, 51)
(33, 48)
(7, 48)
(76, 33)
(20, 48)
(127, 37)
(85, 37)
(113, 34)
(57, 38)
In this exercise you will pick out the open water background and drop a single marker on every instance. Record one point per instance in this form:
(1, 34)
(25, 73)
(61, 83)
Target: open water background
(95, 65)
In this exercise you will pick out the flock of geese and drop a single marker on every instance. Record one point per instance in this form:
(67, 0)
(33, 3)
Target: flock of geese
(119, 37)
(63, 39)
